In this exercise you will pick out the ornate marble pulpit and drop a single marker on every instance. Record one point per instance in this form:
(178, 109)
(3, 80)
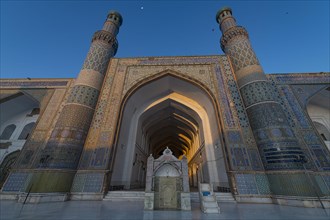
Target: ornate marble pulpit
(167, 183)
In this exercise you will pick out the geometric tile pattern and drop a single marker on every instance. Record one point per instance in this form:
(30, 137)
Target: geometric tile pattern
(310, 137)
(282, 184)
(84, 95)
(242, 156)
(290, 184)
(158, 62)
(242, 141)
(267, 119)
(22, 84)
(262, 184)
(294, 106)
(322, 157)
(280, 155)
(94, 182)
(257, 92)
(230, 101)
(107, 37)
(15, 182)
(322, 184)
(59, 155)
(241, 54)
(98, 57)
(88, 182)
(304, 78)
(223, 98)
(266, 115)
(78, 182)
(239, 157)
(326, 179)
(179, 60)
(75, 116)
(85, 159)
(99, 157)
(73, 126)
(26, 154)
(234, 136)
(246, 184)
(255, 159)
(231, 87)
(305, 92)
(232, 33)
(313, 146)
(64, 148)
(276, 140)
(277, 143)
(99, 113)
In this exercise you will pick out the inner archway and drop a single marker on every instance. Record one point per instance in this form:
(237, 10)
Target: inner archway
(318, 110)
(175, 113)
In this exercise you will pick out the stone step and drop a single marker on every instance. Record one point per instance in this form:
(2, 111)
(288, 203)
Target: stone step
(210, 204)
(124, 196)
(224, 197)
(139, 196)
(221, 197)
(212, 210)
(208, 198)
(125, 193)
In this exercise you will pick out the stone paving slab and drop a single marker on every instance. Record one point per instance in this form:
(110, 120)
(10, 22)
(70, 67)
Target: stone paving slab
(134, 210)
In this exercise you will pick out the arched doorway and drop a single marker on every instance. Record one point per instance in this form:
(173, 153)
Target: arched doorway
(168, 112)
(19, 113)
(6, 166)
(318, 108)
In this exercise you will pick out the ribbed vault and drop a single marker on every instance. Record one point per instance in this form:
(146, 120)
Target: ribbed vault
(170, 124)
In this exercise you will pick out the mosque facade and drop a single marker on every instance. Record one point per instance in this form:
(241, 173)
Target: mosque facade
(260, 137)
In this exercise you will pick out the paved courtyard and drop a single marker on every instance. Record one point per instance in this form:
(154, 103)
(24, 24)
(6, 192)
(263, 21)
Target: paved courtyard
(134, 210)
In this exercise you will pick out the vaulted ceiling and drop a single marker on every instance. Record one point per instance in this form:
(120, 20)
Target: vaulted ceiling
(170, 124)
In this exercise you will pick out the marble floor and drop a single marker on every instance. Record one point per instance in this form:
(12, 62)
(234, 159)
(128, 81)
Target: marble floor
(134, 210)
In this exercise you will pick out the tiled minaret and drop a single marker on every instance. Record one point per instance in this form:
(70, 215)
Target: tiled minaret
(66, 143)
(276, 141)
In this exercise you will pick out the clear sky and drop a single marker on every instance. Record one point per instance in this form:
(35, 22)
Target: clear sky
(50, 39)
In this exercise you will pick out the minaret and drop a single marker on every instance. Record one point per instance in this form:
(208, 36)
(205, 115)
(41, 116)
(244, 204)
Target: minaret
(276, 141)
(66, 143)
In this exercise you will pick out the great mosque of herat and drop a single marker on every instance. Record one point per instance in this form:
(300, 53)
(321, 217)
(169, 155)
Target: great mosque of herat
(260, 137)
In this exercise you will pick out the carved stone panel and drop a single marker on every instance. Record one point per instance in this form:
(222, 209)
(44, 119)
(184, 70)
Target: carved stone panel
(166, 192)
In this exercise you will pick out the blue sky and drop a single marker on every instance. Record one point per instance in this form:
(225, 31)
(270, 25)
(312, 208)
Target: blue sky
(50, 39)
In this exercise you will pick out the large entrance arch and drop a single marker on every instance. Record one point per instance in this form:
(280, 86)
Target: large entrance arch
(169, 112)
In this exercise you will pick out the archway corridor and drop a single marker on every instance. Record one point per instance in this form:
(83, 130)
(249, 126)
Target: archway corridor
(168, 112)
